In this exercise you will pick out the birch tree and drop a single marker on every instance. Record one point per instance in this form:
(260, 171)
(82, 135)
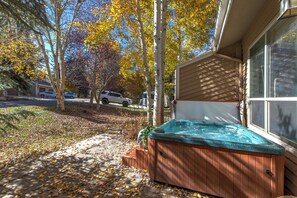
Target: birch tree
(131, 22)
(53, 44)
(192, 23)
(157, 62)
(160, 26)
(144, 61)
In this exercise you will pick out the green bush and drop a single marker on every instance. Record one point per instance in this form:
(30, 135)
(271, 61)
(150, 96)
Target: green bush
(144, 135)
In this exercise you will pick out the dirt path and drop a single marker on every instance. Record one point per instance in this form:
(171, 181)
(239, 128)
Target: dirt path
(90, 168)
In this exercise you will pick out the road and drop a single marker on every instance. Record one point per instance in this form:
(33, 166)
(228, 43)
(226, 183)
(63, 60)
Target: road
(44, 102)
(36, 101)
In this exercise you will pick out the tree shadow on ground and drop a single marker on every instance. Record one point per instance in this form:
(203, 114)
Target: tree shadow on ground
(80, 176)
(93, 171)
(67, 176)
(91, 168)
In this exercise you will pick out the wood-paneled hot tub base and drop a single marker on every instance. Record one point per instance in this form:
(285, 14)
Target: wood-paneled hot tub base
(216, 171)
(137, 157)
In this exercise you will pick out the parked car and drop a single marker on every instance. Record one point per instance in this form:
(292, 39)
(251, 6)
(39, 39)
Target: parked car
(47, 94)
(114, 97)
(69, 95)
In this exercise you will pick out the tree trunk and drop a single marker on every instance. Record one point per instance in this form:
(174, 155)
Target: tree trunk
(58, 44)
(145, 65)
(162, 54)
(58, 59)
(157, 61)
(180, 50)
(41, 44)
(92, 97)
(159, 83)
(98, 102)
(95, 95)
(60, 105)
(63, 76)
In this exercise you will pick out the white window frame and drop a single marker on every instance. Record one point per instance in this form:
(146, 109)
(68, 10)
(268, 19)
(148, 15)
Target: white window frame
(292, 147)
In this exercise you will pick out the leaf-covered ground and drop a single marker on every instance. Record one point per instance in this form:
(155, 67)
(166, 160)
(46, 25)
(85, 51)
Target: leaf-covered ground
(75, 154)
(49, 130)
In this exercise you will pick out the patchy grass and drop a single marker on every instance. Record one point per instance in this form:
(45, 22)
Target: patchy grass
(90, 168)
(49, 130)
(136, 108)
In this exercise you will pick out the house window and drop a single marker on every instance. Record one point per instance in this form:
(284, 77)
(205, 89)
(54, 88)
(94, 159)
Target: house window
(257, 113)
(283, 119)
(282, 43)
(257, 58)
(273, 81)
(257, 69)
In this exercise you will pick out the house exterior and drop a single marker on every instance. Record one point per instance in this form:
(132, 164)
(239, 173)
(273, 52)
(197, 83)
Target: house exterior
(40, 86)
(252, 72)
(35, 88)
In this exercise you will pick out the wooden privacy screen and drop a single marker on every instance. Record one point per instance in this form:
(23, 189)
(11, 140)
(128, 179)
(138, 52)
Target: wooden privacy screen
(211, 79)
(216, 171)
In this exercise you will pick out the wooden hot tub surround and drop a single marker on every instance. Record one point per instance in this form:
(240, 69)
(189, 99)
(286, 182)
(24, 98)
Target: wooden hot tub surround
(216, 171)
(137, 157)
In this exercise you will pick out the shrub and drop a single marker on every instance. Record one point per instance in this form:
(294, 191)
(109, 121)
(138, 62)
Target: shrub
(144, 135)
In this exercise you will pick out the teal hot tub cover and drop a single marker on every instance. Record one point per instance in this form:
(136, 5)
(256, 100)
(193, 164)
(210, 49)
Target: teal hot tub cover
(215, 134)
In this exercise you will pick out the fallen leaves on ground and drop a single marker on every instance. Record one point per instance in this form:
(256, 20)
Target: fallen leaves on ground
(50, 130)
(90, 167)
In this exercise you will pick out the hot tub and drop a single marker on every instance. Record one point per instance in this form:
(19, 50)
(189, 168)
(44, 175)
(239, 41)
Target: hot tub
(220, 159)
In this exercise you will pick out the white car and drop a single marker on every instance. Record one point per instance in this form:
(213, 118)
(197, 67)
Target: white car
(114, 97)
(47, 94)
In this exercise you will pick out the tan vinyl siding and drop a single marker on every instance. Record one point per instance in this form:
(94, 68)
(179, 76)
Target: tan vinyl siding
(269, 12)
(211, 79)
(234, 51)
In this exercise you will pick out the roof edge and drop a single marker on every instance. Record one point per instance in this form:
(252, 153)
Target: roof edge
(223, 15)
(197, 58)
(206, 55)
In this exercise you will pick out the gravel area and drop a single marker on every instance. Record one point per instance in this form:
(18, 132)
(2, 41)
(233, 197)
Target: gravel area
(90, 168)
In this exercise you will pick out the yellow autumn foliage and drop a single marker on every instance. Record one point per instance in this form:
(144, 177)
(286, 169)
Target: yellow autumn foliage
(190, 25)
(21, 55)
